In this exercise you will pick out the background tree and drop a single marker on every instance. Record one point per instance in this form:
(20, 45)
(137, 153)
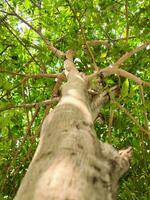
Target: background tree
(31, 77)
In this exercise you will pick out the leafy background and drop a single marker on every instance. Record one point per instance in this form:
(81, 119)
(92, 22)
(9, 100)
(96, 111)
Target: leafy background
(69, 24)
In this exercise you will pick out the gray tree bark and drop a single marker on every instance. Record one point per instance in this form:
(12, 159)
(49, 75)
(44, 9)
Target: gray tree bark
(70, 163)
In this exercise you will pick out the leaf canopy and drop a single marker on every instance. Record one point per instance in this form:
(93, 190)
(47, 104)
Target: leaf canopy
(25, 59)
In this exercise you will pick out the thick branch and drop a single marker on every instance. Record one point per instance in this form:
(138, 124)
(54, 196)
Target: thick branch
(130, 76)
(69, 65)
(114, 69)
(109, 71)
(98, 101)
(127, 55)
(98, 43)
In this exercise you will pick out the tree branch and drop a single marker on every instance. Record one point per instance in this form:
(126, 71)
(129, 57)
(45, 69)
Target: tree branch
(110, 124)
(19, 40)
(127, 23)
(84, 37)
(143, 108)
(57, 52)
(15, 153)
(131, 117)
(69, 65)
(98, 43)
(112, 70)
(5, 49)
(28, 129)
(35, 76)
(127, 55)
(99, 100)
(58, 84)
(39, 104)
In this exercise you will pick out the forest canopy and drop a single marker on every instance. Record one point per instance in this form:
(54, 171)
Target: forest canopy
(33, 38)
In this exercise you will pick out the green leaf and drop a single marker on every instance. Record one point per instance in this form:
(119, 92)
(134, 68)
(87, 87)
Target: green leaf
(133, 89)
(103, 55)
(27, 3)
(125, 89)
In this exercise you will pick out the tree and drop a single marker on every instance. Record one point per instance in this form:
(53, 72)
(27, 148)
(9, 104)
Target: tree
(70, 162)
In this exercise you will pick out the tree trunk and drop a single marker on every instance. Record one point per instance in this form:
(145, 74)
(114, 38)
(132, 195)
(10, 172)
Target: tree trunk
(70, 163)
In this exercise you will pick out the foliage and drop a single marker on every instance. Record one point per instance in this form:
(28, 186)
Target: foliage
(123, 25)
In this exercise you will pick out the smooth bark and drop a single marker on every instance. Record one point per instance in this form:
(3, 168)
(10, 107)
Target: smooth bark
(70, 163)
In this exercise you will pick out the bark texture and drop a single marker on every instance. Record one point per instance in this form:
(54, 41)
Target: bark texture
(70, 163)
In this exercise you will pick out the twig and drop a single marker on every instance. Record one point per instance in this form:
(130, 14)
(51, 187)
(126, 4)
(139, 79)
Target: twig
(5, 49)
(7, 13)
(20, 41)
(24, 98)
(144, 110)
(131, 117)
(42, 103)
(21, 144)
(124, 38)
(127, 23)
(33, 119)
(35, 76)
(57, 86)
(36, 4)
(8, 91)
(56, 51)
(83, 34)
(111, 116)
